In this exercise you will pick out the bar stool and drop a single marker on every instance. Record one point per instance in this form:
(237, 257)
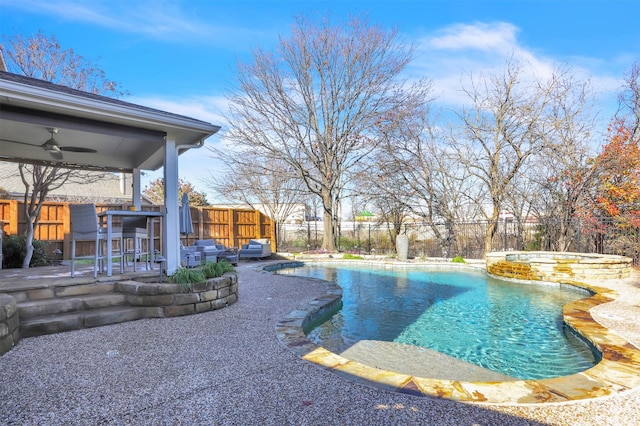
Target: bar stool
(85, 227)
(135, 229)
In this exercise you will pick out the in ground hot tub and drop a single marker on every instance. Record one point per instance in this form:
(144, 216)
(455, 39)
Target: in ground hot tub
(558, 266)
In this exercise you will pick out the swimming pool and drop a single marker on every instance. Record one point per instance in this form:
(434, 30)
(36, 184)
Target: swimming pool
(515, 329)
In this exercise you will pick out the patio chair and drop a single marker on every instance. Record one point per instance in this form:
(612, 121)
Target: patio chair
(211, 251)
(189, 257)
(256, 249)
(85, 227)
(135, 229)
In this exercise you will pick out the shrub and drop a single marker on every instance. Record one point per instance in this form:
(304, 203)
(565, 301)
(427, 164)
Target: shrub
(185, 277)
(14, 250)
(351, 256)
(215, 270)
(457, 259)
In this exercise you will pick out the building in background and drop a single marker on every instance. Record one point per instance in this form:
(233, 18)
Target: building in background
(86, 187)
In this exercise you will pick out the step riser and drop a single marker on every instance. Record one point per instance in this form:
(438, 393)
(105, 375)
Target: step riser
(51, 326)
(57, 306)
(79, 320)
(60, 306)
(61, 291)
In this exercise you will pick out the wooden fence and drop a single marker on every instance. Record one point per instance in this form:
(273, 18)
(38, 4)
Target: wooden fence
(231, 227)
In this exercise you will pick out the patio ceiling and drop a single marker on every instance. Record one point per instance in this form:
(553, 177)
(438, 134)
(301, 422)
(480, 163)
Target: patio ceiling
(93, 132)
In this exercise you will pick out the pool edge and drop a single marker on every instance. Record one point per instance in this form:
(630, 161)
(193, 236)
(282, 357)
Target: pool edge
(618, 371)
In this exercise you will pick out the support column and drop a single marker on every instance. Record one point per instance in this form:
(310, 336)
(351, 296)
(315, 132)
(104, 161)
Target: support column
(137, 193)
(171, 223)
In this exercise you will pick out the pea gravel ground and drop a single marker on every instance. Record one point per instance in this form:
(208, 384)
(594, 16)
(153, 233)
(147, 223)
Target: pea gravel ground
(227, 367)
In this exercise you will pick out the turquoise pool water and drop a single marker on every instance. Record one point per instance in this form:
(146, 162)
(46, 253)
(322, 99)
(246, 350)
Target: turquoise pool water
(515, 329)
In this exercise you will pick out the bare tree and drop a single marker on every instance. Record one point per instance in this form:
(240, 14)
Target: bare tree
(383, 184)
(42, 57)
(313, 103)
(503, 128)
(560, 173)
(629, 100)
(421, 175)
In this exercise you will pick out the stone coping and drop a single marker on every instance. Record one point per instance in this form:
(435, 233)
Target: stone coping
(617, 372)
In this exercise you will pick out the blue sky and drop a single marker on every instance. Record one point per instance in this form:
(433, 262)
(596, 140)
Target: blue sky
(180, 56)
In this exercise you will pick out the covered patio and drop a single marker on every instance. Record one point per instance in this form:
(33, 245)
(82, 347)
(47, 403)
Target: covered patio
(48, 124)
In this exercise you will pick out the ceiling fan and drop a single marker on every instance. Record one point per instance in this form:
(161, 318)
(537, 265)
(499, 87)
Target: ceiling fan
(53, 148)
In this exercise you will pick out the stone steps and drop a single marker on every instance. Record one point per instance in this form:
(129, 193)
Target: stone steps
(68, 304)
(76, 320)
(44, 307)
(57, 307)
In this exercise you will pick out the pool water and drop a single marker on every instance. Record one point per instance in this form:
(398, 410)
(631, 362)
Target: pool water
(511, 328)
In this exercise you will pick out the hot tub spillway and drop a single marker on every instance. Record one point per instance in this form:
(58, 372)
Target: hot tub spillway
(510, 269)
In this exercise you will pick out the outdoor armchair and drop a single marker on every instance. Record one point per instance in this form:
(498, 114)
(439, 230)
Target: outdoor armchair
(190, 257)
(256, 249)
(212, 251)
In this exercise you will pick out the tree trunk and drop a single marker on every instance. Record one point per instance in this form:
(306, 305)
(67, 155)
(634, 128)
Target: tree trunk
(329, 240)
(491, 232)
(329, 235)
(28, 244)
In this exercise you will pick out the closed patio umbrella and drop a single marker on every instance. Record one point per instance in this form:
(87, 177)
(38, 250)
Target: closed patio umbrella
(186, 224)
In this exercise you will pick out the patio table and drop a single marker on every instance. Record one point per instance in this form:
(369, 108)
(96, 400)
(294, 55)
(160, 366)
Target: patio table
(109, 214)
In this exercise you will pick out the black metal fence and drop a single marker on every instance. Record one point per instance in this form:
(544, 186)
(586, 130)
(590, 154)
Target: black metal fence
(467, 239)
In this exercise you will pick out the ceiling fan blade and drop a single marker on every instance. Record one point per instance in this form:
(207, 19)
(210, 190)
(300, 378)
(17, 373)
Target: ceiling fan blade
(57, 155)
(78, 149)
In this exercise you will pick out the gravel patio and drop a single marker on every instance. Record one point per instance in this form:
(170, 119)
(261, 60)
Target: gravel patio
(227, 367)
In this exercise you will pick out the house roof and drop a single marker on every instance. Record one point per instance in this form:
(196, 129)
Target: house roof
(98, 132)
(53, 87)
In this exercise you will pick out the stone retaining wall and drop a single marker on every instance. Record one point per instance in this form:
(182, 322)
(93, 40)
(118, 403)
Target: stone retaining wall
(157, 299)
(170, 300)
(9, 323)
(558, 266)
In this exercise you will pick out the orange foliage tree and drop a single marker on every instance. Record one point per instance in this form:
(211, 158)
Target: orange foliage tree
(617, 194)
(155, 192)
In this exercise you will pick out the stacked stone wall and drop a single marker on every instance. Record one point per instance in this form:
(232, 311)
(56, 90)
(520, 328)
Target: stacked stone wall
(9, 323)
(170, 300)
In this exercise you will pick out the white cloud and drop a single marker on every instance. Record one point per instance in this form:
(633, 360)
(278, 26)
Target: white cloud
(195, 165)
(206, 108)
(163, 20)
(451, 55)
(499, 37)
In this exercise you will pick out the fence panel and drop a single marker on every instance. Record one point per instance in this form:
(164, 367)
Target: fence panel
(216, 225)
(467, 239)
(227, 226)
